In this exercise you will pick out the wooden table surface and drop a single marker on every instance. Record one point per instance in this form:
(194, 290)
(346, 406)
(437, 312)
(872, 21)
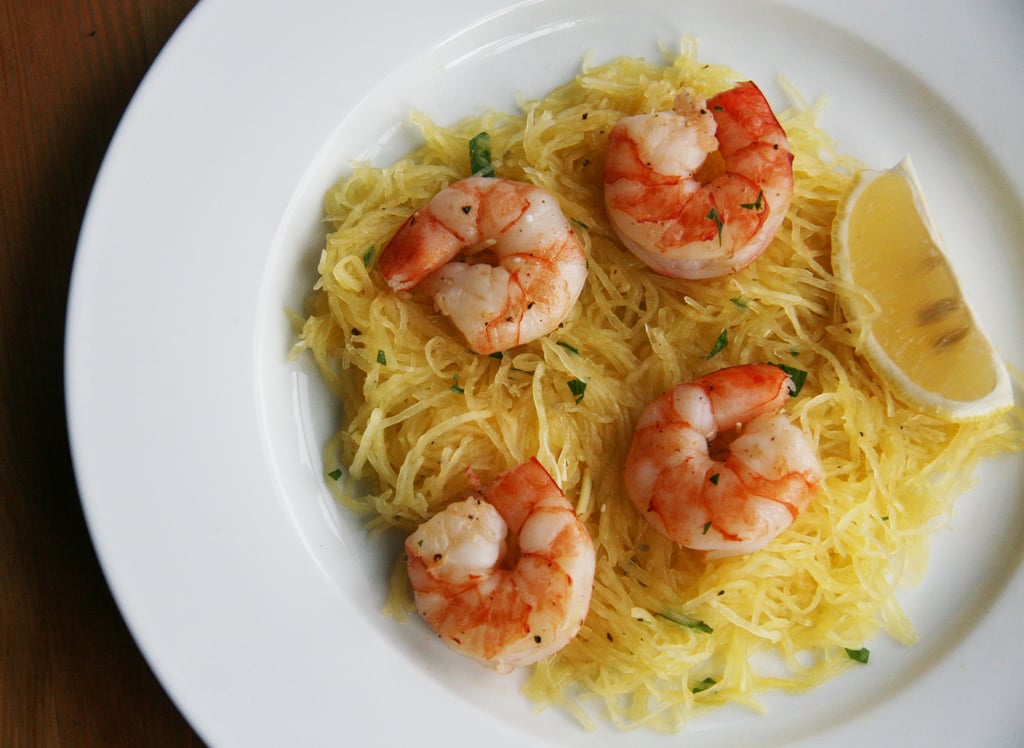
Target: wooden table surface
(71, 673)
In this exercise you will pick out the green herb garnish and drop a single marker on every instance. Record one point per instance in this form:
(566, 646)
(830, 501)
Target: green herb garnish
(382, 358)
(757, 204)
(741, 302)
(334, 474)
(368, 256)
(859, 655)
(799, 377)
(713, 216)
(714, 481)
(570, 348)
(721, 342)
(686, 622)
(577, 387)
(704, 685)
(480, 156)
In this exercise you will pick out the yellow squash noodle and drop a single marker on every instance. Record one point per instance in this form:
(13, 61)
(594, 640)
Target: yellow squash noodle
(668, 635)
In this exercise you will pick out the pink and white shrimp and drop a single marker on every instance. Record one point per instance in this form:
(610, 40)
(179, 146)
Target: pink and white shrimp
(504, 577)
(523, 265)
(728, 506)
(701, 190)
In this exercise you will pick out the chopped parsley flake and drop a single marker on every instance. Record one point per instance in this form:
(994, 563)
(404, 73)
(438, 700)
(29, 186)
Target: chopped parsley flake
(686, 622)
(382, 358)
(713, 216)
(757, 204)
(480, 156)
(859, 655)
(799, 377)
(577, 387)
(720, 343)
(570, 348)
(334, 474)
(704, 685)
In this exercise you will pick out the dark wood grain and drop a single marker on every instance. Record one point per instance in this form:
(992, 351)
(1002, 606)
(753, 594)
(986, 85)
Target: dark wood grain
(71, 674)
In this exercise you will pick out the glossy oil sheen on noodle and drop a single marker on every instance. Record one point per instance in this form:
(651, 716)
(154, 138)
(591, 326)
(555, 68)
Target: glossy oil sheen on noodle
(668, 635)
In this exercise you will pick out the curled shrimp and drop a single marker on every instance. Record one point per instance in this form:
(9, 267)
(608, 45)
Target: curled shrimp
(505, 576)
(728, 506)
(701, 190)
(523, 266)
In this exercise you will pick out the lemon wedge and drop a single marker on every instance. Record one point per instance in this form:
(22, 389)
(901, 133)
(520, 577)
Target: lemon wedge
(922, 338)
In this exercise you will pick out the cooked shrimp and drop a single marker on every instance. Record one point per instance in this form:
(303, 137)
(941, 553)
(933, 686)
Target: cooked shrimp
(701, 190)
(504, 606)
(537, 268)
(769, 473)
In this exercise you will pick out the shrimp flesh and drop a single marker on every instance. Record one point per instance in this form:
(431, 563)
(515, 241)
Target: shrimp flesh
(728, 506)
(701, 190)
(523, 266)
(505, 576)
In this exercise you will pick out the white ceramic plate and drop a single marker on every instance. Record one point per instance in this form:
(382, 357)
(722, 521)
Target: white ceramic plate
(196, 443)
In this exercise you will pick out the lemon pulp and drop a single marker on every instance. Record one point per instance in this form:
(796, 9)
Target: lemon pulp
(925, 338)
